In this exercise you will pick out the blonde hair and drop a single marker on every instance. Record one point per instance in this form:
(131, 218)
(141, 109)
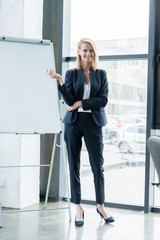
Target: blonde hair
(95, 59)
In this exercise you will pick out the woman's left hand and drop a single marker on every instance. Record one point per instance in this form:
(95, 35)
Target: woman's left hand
(74, 106)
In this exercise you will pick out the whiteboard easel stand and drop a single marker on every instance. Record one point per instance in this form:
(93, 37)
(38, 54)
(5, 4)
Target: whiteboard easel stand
(45, 52)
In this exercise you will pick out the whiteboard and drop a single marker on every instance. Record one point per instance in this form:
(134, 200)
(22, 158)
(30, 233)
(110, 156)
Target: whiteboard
(28, 96)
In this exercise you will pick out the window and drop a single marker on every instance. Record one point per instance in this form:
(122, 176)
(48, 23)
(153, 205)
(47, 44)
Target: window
(118, 27)
(115, 29)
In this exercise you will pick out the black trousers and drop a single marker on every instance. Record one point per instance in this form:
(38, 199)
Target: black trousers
(85, 127)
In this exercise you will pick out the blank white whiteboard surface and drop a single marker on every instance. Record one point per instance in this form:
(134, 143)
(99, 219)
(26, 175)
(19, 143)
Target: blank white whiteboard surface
(28, 96)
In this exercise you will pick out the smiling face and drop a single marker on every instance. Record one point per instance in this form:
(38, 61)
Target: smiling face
(86, 53)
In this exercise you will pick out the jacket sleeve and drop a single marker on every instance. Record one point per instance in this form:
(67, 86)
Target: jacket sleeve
(67, 90)
(102, 96)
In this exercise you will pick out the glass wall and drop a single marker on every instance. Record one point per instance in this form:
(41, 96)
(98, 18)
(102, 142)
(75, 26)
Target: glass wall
(115, 29)
(124, 135)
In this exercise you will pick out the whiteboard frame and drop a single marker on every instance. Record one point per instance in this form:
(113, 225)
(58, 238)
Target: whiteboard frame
(40, 42)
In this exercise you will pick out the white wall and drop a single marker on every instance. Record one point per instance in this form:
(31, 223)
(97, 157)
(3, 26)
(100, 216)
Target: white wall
(29, 177)
(10, 178)
(12, 18)
(21, 18)
(33, 16)
(19, 187)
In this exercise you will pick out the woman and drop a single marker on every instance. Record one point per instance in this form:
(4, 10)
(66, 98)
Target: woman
(85, 91)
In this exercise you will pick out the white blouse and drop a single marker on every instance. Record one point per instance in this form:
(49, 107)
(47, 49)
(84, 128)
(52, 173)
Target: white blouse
(86, 95)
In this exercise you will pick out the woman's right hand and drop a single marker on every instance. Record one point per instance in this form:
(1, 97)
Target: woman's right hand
(55, 75)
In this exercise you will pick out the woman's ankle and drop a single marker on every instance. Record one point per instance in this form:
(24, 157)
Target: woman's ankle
(78, 207)
(100, 206)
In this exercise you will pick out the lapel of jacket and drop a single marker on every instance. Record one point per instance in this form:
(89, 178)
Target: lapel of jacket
(80, 84)
(93, 83)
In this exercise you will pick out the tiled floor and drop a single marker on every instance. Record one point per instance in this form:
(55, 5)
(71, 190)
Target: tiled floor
(55, 225)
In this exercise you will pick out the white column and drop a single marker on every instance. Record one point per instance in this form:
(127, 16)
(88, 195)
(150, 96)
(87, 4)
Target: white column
(33, 16)
(19, 187)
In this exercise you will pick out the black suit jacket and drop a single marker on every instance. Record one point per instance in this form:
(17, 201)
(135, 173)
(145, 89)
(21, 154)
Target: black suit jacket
(73, 89)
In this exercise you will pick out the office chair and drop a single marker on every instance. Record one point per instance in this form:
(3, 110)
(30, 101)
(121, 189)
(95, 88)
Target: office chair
(153, 144)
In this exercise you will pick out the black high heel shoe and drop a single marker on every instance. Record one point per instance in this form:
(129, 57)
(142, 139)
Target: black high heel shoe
(80, 223)
(107, 220)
